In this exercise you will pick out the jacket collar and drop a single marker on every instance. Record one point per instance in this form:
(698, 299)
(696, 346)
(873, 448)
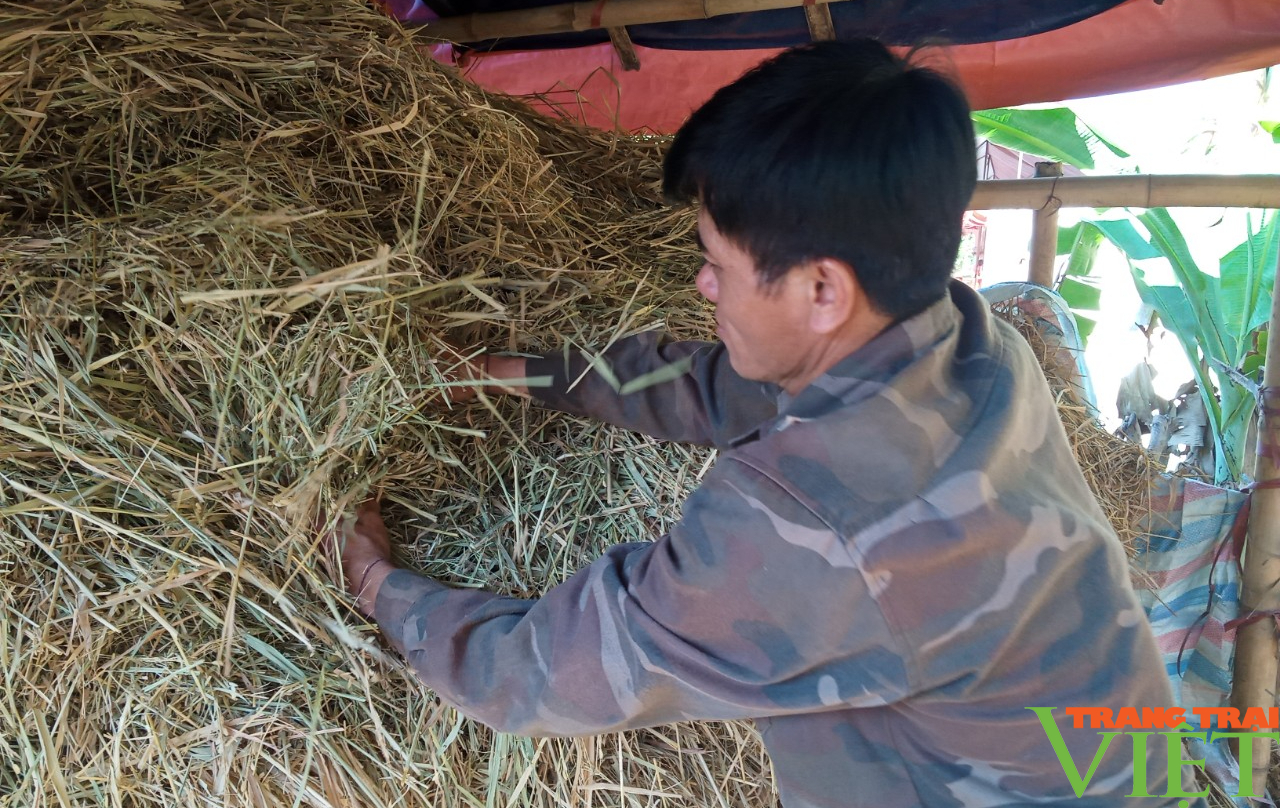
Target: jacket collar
(872, 367)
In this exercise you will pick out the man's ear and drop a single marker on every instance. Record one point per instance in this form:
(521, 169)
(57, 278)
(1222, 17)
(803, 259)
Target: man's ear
(834, 295)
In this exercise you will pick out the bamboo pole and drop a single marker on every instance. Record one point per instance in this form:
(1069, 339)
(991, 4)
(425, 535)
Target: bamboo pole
(821, 26)
(1256, 642)
(626, 50)
(1044, 244)
(588, 16)
(1044, 232)
(1137, 191)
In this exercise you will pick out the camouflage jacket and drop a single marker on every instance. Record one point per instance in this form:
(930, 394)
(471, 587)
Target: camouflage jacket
(884, 571)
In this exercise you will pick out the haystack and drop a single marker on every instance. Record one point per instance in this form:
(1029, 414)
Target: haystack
(243, 244)
(1118, 471)
(236, 237)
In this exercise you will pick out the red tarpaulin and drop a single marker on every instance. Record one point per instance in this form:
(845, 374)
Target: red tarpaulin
(1136, 45)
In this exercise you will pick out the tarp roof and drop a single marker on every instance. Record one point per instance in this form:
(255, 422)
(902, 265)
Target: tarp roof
(894, 22)
(1133, 45)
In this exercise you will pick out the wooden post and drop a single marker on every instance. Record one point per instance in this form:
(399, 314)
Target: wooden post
(624, 47)
(821, 27)
(1044, 232)
(1256, 641)
(589, 15)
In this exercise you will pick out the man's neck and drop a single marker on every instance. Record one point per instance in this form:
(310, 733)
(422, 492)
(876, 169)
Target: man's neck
(830, 351)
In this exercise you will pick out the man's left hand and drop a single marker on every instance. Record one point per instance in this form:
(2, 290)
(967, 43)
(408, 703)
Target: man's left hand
(365, 554)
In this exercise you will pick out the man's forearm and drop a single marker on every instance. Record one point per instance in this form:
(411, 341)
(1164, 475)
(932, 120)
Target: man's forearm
(679, 391)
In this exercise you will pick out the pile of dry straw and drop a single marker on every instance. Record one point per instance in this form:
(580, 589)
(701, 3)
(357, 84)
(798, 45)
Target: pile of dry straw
(237, 238)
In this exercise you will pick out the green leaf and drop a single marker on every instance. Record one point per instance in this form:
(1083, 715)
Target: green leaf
(1057, 134)
(1213, 317)
(1125, 236)
(1246, 276)
(1255, 361)
(1176, 313)
(1084, 327)
(1260, 254)
(1271, 127)
(1080, 294)
(1168, 239)
(1082, 258)
(1238, 406)
(1067, 237)
(1092, 135)
(1252, 364)
(1049, 133)
(1167, 242)
(1202, 289)
(1179, 317)
(1084, 251)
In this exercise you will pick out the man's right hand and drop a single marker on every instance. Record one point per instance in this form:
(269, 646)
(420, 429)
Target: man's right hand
(488, 371)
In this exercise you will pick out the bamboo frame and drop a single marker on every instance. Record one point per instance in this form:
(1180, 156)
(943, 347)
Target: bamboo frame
(1136, 191)
(1044, 232)
(1256, 642)
(821, 27)
(1044, 244)
(592, 15)
(623, 46)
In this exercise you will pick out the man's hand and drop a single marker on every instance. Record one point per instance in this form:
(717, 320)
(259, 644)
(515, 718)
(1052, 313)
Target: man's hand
(487, 370)
(365, 553)
(464, 371)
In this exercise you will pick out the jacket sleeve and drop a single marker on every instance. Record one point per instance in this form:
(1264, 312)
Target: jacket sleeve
(705, 403)
(749, 607)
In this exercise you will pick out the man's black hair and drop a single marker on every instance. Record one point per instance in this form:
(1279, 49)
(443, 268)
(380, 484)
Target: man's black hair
(836, 150)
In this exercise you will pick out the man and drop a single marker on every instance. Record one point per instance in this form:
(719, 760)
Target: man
(895, 554)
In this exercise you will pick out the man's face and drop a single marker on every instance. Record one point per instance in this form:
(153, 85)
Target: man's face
(765, 329)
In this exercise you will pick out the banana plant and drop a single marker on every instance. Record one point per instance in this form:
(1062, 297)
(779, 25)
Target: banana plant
(1218, 319)
(1056, 134)
(1078, 287)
